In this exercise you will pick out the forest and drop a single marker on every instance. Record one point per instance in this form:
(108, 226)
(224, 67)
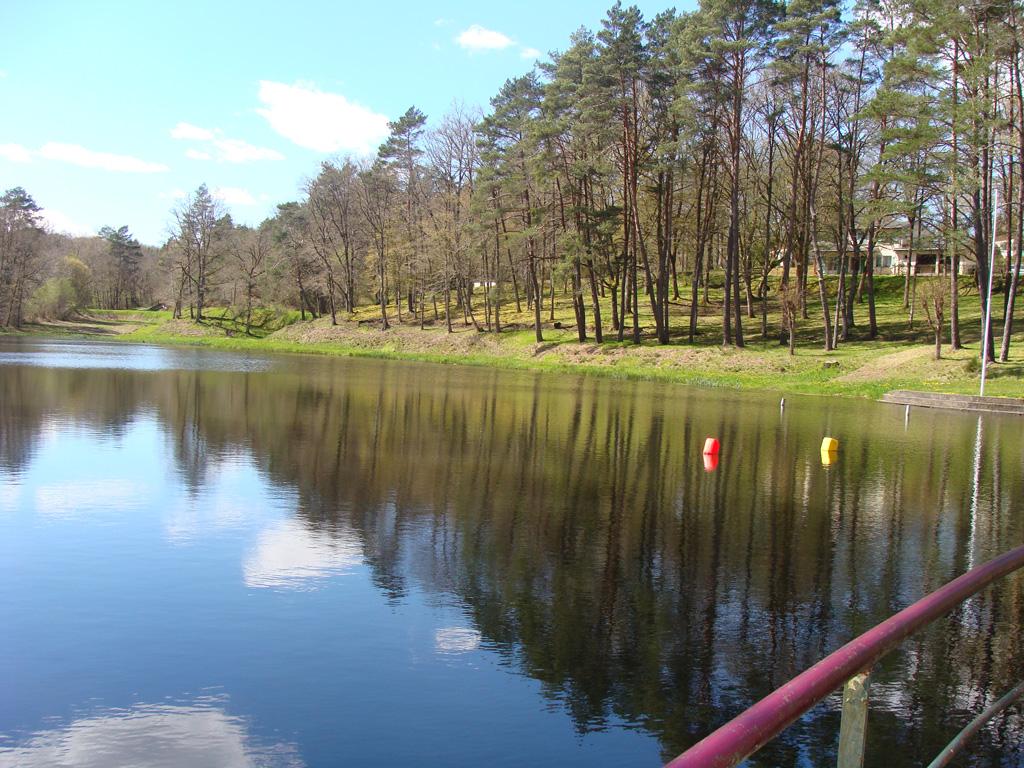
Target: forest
(759, 162)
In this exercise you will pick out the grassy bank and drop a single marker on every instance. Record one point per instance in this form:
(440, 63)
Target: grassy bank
(900, 358)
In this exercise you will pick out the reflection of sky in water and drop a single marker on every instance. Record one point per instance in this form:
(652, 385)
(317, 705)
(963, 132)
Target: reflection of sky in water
(124, 356)
(10, 494)
(84, 473)
(292, 540)
(74, 472)
(126, 578)
(69, 498)
(200, 734)
(233, 497)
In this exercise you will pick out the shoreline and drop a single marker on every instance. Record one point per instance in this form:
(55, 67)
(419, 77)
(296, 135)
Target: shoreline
(858, 369)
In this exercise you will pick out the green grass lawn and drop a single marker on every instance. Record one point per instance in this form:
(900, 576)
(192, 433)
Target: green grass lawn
(898, 358)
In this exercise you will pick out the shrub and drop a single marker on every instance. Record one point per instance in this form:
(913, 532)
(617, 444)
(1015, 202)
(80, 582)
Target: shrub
(54, 299)
(80, 277)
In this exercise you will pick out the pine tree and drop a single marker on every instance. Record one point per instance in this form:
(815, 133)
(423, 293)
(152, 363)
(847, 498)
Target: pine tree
(736, 36)
(401, 153)
(507, 150)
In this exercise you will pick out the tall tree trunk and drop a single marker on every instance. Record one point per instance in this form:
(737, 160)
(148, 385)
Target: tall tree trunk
(535, 282)
(1014, 282)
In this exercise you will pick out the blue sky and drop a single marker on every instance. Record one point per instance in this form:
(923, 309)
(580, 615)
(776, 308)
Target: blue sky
(114, 110)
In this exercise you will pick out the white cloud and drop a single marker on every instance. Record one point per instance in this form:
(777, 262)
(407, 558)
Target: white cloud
(238, 151)
(226, 150)
(234, 195)
(477, 38)
(61, 222)
(189, 131)
(318, 120)
(76, 154)
(15, 153)
(442, 22)
(530, 53)
(107, 161)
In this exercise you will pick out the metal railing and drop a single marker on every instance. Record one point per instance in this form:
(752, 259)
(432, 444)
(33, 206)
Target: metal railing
(850, 667)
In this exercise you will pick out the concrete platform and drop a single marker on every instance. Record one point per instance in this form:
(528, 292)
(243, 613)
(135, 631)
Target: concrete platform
(1007, 405)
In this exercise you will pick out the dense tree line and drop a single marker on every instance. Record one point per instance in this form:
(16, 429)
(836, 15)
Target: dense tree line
(759, 148)
(44, 274)
(770, 144)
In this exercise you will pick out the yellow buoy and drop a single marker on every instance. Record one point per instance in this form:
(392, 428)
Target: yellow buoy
(828, 458)
(829, 445)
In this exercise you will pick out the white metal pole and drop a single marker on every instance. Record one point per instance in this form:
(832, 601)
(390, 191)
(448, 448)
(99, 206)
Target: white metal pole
(987, 320)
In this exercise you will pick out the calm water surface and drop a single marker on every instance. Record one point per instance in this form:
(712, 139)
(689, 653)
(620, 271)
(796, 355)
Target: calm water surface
(212, 559)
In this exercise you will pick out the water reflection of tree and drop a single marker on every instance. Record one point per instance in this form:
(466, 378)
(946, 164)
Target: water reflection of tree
(575, 523)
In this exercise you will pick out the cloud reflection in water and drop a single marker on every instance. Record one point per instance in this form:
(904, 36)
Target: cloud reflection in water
(199, 735)
(289, 555)
(448, 640)
(67, 499)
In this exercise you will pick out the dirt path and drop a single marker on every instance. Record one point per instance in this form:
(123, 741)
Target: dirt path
(88, 326)
(883, 366)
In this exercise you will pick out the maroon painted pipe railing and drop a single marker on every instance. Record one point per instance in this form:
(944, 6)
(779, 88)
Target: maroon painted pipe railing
(747, 733)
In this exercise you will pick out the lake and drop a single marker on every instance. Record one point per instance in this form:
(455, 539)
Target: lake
(221, 559)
